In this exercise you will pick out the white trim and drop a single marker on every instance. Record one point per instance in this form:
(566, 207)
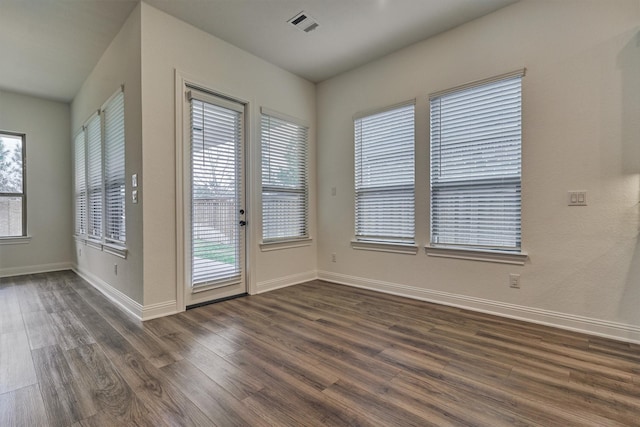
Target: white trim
(516, 258)
(185, 82)
(516, 73)
(112, 249)
(397, 248)
(34, 269)
(603, 328)
(160, 309)
(17, 240)
(253, 193)
(114, 295)
(139, 311)
(180, 82)
(93, 243)
(282, 116)
(204, 95)
(283, 282)
(284, 244)
(373, 111)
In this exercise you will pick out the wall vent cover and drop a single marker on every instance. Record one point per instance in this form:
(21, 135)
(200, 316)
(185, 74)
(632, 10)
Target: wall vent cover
(303, 22)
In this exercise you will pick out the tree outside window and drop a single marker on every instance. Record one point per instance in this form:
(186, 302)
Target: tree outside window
(12, 185)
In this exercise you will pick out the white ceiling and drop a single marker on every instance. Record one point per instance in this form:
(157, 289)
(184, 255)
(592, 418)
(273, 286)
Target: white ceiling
(48, 47)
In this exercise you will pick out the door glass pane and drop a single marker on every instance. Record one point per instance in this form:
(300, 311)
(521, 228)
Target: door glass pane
(216, 151)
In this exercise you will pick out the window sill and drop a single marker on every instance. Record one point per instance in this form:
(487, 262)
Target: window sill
(118, 251)
(398, 248)
(110, 248)
(516, 258)
(284, 244)
(93, 243)
(16, 240)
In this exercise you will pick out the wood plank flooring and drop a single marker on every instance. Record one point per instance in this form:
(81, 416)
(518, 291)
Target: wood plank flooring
(316, 354)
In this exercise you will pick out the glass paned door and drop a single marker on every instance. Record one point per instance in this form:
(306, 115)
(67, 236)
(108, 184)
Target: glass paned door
(217, 218)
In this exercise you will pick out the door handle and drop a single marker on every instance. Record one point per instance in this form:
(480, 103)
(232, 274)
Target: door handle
(242, 223)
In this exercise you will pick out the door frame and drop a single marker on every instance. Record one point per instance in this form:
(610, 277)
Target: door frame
(182, 80)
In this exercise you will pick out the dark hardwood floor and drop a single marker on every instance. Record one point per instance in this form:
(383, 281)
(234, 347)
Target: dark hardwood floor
(308, 355)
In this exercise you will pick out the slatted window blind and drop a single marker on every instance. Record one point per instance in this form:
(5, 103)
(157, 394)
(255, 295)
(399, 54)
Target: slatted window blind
(94, 177)
(476, 165)
(114, 173)
(285, 192)
(80, 183)
(384, 175)
(216, 189)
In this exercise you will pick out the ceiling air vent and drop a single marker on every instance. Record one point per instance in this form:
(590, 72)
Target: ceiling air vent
(303, 22)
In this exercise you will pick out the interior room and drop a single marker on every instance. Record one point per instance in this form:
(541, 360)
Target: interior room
(298, 212)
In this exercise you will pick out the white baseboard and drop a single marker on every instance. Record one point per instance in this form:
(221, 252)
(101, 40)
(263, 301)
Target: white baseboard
(117, 297)
(34, 269)
(282, 282)
(160, 309)
(587, 325)
(141, 312)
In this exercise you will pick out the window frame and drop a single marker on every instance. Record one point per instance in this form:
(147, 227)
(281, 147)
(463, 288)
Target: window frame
(510, 255)
(23, 194)
(393, 244)
(275, 243)
(102, 242)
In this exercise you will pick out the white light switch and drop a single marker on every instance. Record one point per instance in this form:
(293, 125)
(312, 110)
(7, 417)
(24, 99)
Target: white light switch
(134, 180)
(134, 196)
(577, 198)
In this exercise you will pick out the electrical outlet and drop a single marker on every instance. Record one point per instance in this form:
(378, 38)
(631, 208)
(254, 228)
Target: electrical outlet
(79, 251)
(115, 269)
(514, 281)
(333, 257)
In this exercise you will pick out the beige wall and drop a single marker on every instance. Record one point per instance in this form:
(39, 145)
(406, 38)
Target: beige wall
(49, 191)
(581, 104)
(169, 45)
(120, 64)
(581, 131)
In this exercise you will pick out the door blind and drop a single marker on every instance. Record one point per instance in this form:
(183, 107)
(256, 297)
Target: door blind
(114, 153)
(284, 179)
(94, 177)
(216, 190)
(80, 183)
(476, 166)
(384, 175)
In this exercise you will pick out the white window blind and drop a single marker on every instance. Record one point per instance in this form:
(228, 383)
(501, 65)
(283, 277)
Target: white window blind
(114, 145)
(475, 165)
(216, 190)
(94, 177)
(80, 183)
(384, 175)
(285, 194)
